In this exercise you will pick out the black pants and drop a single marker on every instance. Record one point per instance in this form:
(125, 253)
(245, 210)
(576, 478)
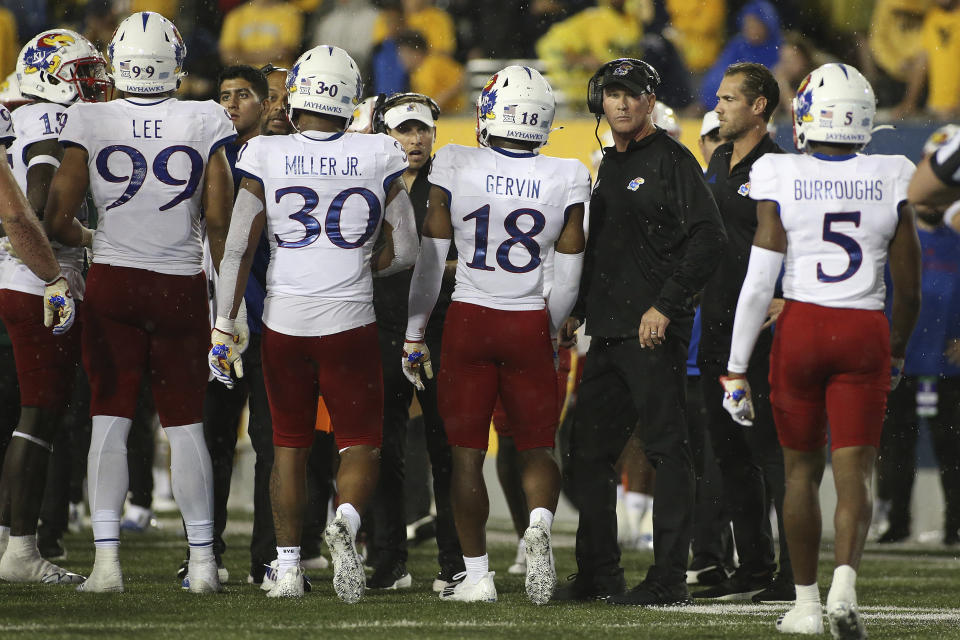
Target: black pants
(624, 388)
(751, 464)
(898, 447)
(141, 447)
(9, 397)
(390, 528)
(712, 544)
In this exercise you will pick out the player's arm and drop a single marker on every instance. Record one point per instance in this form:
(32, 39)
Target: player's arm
(67, 191)
(927, 188)
(245, 227)
(217, 203)
(399, 231)
(905, 270)
(567, 268)
(43, 158)
(425, 285)
(766, 258)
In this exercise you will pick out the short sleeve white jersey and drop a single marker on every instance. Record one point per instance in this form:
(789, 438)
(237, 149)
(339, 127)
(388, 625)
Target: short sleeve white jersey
(326, 197)
(33, 123)
(508, 208)
(147, 160)
(840, 214)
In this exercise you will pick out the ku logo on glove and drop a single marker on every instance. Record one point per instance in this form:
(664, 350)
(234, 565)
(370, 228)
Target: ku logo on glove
(224, 353)
(416, 358)
(737, 400)
(59, 310)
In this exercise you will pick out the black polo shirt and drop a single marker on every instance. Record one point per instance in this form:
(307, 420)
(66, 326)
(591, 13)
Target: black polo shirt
(655, 237)
(731, 190)
(391, 292)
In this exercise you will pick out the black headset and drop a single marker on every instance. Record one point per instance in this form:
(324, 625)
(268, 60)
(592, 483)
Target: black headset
(384, 104)
(648, 79)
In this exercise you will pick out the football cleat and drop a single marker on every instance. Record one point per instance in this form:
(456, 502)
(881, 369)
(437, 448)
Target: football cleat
(106, 577)
(519, 566)
(203, 576)
(541, 574)
(465, 591)
(845, 621)
(35, 570)
(291, 585)
(805, 618)
(270, 577)
(348, 577)
(448, 576)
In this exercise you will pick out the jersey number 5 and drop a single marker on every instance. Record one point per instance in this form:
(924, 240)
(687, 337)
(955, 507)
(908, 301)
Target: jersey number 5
(517, 236)
(845, 242)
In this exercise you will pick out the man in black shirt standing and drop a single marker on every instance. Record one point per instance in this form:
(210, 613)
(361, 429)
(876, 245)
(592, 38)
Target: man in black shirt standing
(655, 237)
(750, 459)
(411, 119)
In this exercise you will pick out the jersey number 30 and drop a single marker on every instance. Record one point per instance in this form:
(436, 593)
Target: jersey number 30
(523, 238)
(331, 222)
(845, 242)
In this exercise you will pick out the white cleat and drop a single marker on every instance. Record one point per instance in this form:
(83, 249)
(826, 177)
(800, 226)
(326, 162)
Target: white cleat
(519, 566)
(270, 575)
(804, 618)
(290, 585)
(36, 570)
(845, 621)
(465, 591)
(203, 576)
(541, 574)
(106, 577)
(348, 577)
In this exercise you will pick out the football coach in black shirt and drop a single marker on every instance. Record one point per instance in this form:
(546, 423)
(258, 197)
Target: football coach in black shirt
(655, 237)
(750, 459)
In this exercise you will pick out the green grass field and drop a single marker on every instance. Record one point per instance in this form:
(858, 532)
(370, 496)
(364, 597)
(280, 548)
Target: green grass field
(905, 593)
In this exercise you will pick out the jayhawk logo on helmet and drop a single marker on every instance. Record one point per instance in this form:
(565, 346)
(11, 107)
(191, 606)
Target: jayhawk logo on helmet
(292, 78)
(804, 101)
(42, 56)
(488, 99)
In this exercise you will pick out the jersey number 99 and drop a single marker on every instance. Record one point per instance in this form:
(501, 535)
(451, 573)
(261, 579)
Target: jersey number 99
(161, 169)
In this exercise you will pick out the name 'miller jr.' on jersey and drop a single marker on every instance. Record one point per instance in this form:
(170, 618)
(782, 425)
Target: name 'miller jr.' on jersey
(516, 187)
(838, 189)
(302, 165)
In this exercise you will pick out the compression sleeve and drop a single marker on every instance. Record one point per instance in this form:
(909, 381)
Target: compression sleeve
(245, 210)
(401, 218)
(755, 296)
(425, 287)
(567, 268)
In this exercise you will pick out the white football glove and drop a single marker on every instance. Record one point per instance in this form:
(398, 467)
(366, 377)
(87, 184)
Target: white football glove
(416, 357)
(896, 372)
(59, 310)
(224, 353)
(737, 400)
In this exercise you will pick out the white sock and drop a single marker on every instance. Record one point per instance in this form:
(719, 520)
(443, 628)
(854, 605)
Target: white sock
(477, 568)
(107, 477)
(192, 476)
(843, 586)
(540, 513)
(287, 558)
(349, 513)
(807, 594)
(638, 503)
(23, 546)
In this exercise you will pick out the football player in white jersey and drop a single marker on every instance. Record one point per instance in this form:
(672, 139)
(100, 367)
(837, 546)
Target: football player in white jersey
(937, 180)
(506, 207)
(151, 162)
(833, 218)
(322, 194)
(55, 68)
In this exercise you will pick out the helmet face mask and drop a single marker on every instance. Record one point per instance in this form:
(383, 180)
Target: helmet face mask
(325, 81)
(62, 66)
(146, 55)
(834, 104)
(517, 103)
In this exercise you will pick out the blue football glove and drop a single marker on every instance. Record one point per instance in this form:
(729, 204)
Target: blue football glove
(59, 310)
(737, 400)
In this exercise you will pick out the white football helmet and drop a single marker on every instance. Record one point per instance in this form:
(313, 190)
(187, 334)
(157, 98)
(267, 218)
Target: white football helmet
(516, 103)
(325, 80)
(835, 103)
(666, 118)
(61, 66)
(146, 54)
